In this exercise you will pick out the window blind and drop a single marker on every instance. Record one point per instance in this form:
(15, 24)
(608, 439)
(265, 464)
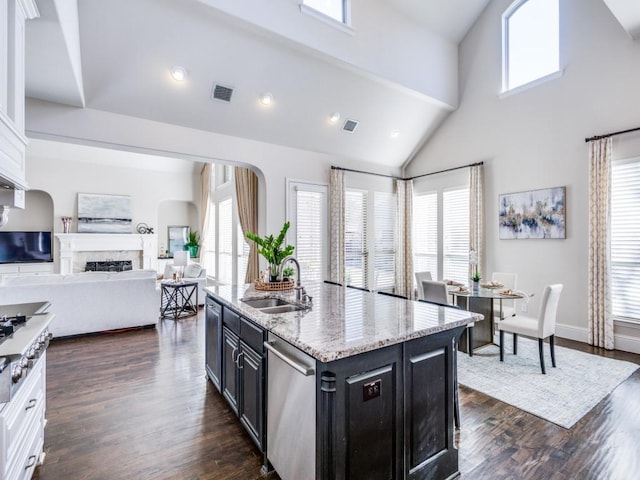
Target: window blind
(311, 213)
(625, 240)
(242, 254)
(425, 234)
(356, 238)
(225, 242)
(384, 245)
(211, 241)
(455, 228)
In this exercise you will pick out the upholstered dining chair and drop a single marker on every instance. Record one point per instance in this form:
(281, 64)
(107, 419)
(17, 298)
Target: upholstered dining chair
(433, 291)
(510, 281)
(420, 276)
(541, 327)
(436, 292)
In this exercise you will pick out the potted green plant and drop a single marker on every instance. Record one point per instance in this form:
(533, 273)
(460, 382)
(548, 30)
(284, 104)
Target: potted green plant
(287, 272)
(272, 249)
(193, 243)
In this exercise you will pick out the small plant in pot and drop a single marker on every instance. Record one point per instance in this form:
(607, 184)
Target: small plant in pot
(287, 273)
(476, 277)
(193, 243)
(272, 249)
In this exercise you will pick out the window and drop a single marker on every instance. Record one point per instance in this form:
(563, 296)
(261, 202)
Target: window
(335, 9)
(227, 249)
(625, 240)
(370, 229)
(531, 42)
(242, 254)
(455, 231)
(425, 234)
(225, 242)
(307, 212)
(384, 245)
(355, 228)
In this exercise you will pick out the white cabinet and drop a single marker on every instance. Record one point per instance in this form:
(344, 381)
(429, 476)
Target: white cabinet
(13, 143)
(22, 424)
(19, 269)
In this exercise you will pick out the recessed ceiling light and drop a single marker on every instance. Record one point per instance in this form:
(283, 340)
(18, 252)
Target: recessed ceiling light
(178, 73)
(266, 98)
(335, 116)
(395, 133)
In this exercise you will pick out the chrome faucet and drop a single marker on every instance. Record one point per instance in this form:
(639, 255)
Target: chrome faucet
(301, 293)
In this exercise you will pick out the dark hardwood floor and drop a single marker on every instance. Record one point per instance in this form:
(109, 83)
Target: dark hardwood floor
(137, 405)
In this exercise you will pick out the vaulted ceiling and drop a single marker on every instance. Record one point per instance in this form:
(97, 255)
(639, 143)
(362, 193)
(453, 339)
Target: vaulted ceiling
(115, 56)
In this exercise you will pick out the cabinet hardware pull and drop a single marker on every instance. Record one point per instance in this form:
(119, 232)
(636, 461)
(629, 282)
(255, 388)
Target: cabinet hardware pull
(240, 366)
(234, 359)
(32, 462)
(31, 404)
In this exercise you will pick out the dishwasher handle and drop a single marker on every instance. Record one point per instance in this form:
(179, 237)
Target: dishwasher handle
(303, 369)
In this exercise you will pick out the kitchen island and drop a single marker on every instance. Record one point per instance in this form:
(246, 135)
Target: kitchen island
(360, 385)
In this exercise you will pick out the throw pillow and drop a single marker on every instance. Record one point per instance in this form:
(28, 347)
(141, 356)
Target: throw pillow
(192, 270)
(168, 272)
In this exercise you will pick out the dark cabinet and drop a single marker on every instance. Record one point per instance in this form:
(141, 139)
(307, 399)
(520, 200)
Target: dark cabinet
(243, 375)
(251, 365)
(213, 336)
(230, 373)
(388, 413)
(429, 370)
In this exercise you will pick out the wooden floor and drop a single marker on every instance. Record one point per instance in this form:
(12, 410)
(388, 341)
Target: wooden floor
(136, 406)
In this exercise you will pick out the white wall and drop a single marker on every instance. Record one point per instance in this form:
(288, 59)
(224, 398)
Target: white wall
(63, 179)
(272, 163)
(37, 214)
(175, 213)
(535, 139)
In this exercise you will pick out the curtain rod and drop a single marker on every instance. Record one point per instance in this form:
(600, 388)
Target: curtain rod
(600, 137)
(447, 170)
(333, 167)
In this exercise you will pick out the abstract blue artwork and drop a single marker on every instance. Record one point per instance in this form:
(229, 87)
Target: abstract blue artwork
(533, 214)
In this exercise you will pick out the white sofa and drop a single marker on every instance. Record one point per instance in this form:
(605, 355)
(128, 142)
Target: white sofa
(90, 301)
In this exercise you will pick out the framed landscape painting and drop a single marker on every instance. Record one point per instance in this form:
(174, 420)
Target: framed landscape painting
(532, 214)
(99, 213)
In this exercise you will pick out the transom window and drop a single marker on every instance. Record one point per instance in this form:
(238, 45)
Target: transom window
(531, 42)
(335, 9)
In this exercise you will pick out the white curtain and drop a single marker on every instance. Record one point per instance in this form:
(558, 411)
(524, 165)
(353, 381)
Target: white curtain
(336, 219)
(205, 208)
(404, 250)
(476, 218)
(600, 311)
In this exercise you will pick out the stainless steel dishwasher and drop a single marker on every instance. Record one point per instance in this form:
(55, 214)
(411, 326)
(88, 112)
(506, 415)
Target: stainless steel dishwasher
(291, 411)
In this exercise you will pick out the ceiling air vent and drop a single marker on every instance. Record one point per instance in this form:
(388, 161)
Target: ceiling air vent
(350, 126)
(222, 93)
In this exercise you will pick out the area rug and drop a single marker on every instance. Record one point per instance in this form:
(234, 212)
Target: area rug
(562, 396)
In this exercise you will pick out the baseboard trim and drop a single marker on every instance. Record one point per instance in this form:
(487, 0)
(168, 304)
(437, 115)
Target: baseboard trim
(571, 332)
(627, 343)
(624, 343)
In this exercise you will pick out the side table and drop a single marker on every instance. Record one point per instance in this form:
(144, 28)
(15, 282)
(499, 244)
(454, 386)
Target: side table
(178, 299)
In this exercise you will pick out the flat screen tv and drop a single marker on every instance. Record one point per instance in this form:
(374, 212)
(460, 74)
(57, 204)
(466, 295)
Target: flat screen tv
(22, 247)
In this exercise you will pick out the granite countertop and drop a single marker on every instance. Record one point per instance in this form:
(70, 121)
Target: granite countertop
(343, 321)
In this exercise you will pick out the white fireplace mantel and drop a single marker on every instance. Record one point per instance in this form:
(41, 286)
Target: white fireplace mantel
(71, 243)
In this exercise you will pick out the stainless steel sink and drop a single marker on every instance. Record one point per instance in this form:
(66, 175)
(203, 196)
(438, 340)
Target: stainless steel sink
(282, 309)
(266, 302)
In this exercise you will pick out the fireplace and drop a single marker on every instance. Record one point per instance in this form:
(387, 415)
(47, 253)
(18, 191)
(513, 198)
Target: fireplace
(76, 249)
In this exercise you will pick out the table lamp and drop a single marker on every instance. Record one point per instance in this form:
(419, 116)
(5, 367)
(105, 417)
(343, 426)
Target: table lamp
(180, 260)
